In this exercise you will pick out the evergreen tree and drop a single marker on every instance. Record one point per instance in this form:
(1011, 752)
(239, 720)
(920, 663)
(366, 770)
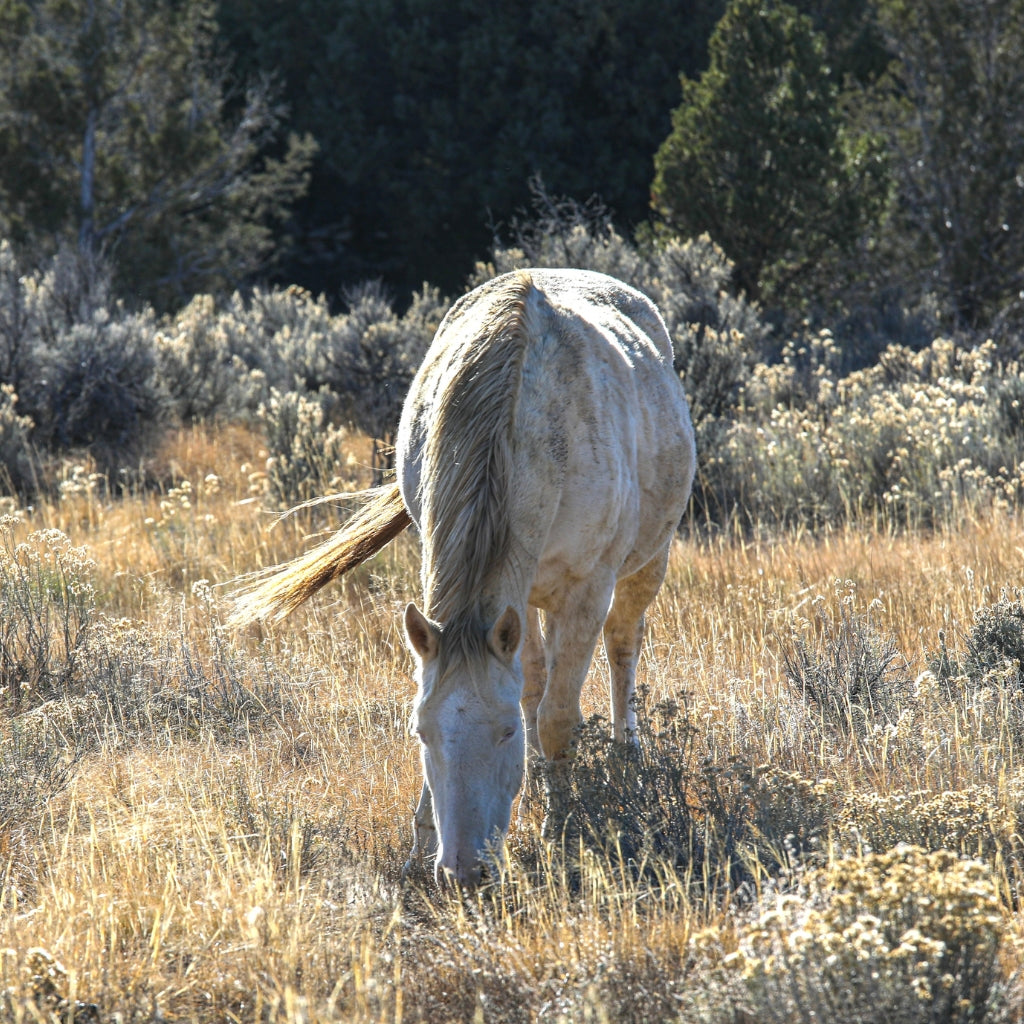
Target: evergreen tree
(118, 127)
(757, 156)
(433, 115)
(854, 42)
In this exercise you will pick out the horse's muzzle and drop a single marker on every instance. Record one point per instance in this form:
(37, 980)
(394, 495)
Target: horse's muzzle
(466, 875)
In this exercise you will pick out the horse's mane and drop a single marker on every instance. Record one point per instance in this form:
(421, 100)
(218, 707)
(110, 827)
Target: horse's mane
(467, 466)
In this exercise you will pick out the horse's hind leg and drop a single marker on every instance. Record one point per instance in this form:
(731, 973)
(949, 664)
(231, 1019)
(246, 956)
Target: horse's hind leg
(623, 635)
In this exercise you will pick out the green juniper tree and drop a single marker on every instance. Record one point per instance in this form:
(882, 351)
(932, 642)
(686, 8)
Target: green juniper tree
(757, 156)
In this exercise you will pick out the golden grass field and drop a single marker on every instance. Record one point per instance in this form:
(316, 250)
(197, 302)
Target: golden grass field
(229, 839)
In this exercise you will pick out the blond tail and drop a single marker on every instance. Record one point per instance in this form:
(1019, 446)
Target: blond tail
(285, 587)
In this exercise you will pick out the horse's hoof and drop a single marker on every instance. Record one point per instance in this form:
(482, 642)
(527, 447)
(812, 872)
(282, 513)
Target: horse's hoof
(414, 872)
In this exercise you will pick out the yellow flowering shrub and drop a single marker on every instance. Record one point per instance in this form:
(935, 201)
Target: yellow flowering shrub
(970, 821)
(902, 936)
(912, 440)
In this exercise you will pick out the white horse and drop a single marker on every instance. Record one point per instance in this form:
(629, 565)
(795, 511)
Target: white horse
(546, 454)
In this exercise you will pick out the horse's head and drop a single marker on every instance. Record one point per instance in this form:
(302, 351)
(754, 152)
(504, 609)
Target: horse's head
(470, 729)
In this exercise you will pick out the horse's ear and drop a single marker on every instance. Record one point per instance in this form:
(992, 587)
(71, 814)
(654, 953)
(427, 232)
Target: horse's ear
(505, 635)
(422, 634)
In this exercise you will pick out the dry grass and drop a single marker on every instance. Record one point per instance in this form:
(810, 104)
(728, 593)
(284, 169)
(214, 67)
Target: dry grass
(204, 826)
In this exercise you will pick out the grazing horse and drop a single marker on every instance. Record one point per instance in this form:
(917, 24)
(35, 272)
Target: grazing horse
(545, 453)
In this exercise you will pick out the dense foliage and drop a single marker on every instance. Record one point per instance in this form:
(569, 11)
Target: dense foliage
(950, 110)
(431, 117)
(757, 158)
(120, 130)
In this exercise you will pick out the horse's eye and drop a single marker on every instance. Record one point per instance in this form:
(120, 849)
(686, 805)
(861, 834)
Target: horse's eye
(507, 735)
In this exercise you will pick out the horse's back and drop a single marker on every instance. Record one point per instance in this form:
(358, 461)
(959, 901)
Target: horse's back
(600, 390)
(601, 435)
(599, 300)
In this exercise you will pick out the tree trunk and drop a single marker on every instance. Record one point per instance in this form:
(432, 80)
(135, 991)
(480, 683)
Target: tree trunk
(86, 229)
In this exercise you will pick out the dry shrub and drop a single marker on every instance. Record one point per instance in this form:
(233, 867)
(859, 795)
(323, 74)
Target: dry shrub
(483, 971)
(660, 809)
(47, 607)
(282, 834)
(35, 765)
(18, 463)
(144, 686)
(634, 802)
(47, 604)
(81, 365)
(899, 937)
(46, 990)
(991, 666)
(374, 354)
(73, 679)
(996, 641)
(971, 822)
(202, 372)
(842, 665)
(69, 669)
(791, 816)
(98, 390)
(306, 452)
(224, 362)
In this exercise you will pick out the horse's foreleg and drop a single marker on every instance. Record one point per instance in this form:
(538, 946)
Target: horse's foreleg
(623, 636)
(571, 635)
(535, 679)
(535, 676)
(424, 835)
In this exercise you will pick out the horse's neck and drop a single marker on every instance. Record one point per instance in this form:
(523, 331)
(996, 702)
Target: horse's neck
(471, 562)
(504, 584)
